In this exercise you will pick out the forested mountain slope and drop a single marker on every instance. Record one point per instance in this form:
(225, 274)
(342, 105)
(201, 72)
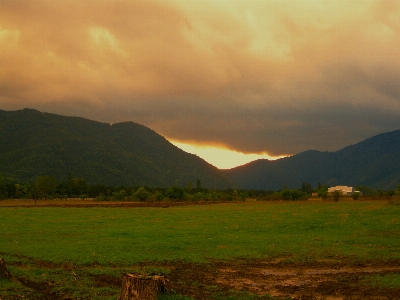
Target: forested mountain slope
(35, 143)
(374, 162)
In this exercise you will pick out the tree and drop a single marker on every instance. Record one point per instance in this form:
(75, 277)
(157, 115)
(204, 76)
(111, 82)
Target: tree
(198, 185)
(11, 190)
(287, 194)
(306, 188)
(188, 187)
(3, 188)
(390, 193)
(365, 190)
(45, 186)
(22, 190)
(158, 196)
(175, 192)
(337, 195)
(120, 195)
(198, 196)
(298, 195)
(380, 192)
(69, 184)
(323, 192)
(356, 195)
(79, 186)
(142, 194)
(243, 196)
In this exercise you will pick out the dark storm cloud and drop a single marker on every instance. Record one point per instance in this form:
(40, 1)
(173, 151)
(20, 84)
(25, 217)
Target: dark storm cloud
(256, 76)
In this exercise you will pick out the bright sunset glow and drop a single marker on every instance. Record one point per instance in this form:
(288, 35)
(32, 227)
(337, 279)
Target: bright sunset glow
(222, 158)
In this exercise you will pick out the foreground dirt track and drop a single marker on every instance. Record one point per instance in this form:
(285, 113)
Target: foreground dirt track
(321, 280)
(318, 280)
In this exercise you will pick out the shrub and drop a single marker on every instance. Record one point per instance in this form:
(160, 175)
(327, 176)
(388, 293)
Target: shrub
(142, 194)
(287, 194)
(175, 192)
(243, 196)
(198, 196)
(391, 193)
(323, 194)
(158, 196)
(101, 197)
(121, 195)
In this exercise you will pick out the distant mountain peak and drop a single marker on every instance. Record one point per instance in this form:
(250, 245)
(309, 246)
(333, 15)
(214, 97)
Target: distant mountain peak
(123, 153)
(373, 162)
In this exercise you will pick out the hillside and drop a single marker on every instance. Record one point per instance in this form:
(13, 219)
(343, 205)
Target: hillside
(35, 143)
(374, 162)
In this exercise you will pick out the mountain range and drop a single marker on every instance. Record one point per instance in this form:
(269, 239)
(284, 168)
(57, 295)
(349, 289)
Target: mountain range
(374, 162)
(34, 143)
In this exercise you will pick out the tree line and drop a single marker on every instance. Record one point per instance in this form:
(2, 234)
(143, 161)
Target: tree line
(47, 187)
(362, 191)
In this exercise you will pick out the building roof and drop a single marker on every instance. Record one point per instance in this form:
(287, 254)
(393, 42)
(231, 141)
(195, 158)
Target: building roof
(344, 188)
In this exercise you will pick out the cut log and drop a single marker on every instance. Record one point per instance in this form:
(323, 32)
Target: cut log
(139, 287)
(3, 270)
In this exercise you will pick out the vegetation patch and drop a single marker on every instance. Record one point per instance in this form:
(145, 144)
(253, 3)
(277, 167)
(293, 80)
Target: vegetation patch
(390, 280)
(247, 250)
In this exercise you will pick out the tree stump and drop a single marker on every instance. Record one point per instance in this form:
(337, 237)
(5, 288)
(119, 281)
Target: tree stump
(142, 287)
(3, 270)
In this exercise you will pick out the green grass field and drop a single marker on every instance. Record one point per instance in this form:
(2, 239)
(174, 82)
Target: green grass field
(107, 240)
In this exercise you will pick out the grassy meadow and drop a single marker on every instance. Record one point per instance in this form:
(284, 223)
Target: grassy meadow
(106, 241)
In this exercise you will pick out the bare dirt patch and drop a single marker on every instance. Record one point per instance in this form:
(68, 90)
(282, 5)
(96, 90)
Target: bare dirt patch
(318, 280)
(276, 278)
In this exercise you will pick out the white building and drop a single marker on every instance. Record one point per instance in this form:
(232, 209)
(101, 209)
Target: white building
(346, 190)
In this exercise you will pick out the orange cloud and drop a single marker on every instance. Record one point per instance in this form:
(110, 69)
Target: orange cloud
(258, 76)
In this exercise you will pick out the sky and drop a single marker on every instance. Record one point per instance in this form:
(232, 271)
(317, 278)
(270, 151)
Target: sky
(255, 79)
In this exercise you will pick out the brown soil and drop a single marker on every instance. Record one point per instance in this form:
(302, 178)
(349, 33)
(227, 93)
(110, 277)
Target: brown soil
(318, 280)
(329, 280)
